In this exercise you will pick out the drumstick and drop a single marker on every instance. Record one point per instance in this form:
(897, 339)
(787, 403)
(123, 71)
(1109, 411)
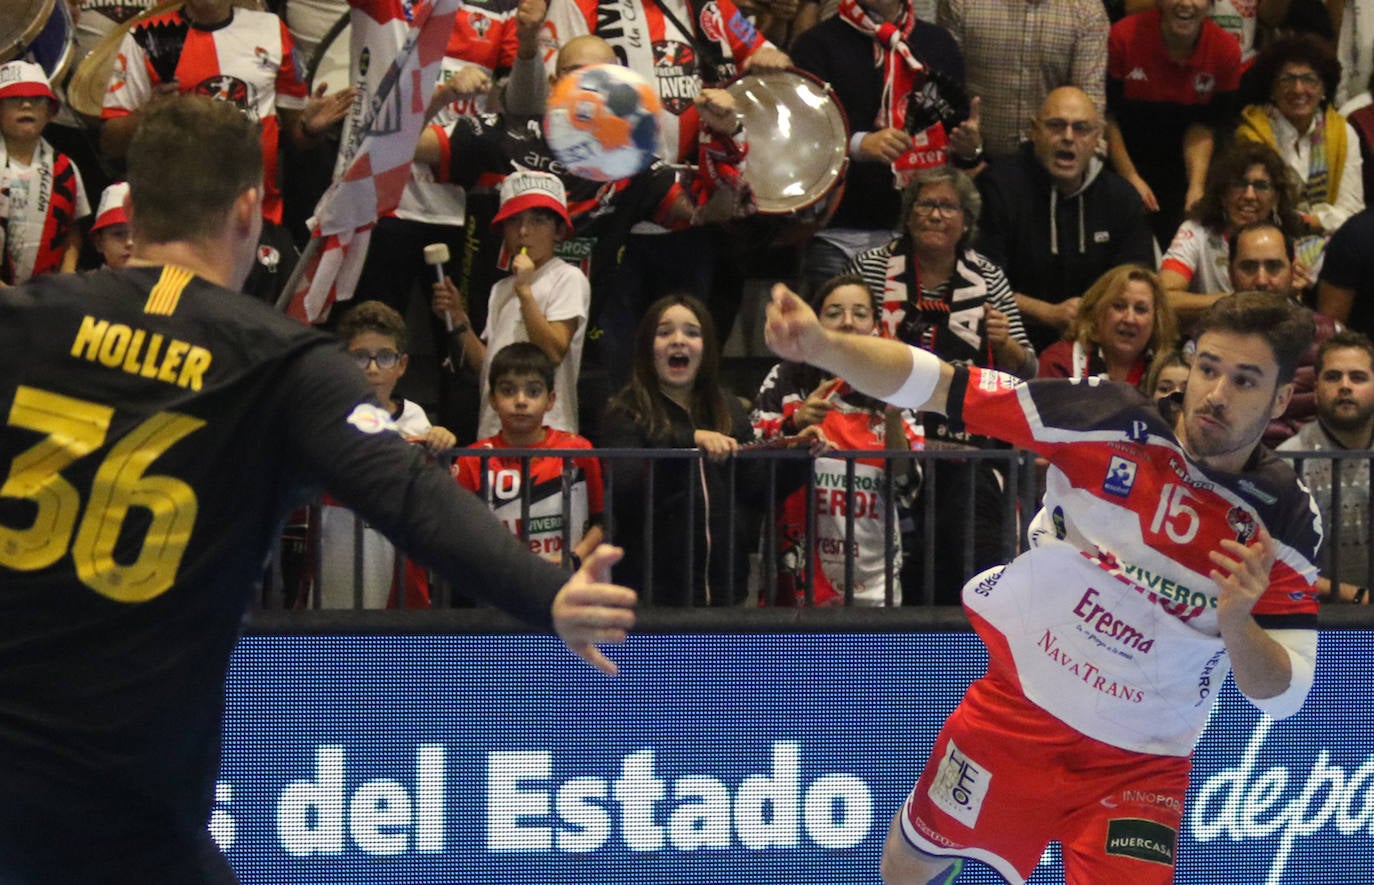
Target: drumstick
(436, 256)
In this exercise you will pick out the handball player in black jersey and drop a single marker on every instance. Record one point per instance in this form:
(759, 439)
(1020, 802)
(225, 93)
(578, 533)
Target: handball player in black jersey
(158, 428)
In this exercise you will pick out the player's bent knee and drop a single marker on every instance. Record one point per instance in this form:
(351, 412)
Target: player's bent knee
(903, 864)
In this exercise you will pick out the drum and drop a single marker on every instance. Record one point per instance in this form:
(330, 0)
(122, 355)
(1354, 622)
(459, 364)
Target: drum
(330, 65)
(54, 47)
(798, 143)
(40, 31)
(86, 90)
(20, 22)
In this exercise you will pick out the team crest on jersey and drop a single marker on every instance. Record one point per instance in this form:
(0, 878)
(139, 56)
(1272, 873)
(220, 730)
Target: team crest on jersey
(712, 22)
(263, 58)
(479, 23)
(1120, 477)
(226, 88)
(1204, 82)
(675, 66)
(268, 257)
(1242, 522)
(371, 419)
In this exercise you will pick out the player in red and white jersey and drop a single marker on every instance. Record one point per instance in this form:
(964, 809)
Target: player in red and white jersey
(1170, 549)
(210, 47)
(651, 38)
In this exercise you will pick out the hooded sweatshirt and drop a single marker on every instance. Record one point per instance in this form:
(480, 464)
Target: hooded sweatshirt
(1054, 246)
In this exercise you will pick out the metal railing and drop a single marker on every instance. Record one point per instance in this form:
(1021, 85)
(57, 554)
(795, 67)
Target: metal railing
(771, 474)
(769, 468)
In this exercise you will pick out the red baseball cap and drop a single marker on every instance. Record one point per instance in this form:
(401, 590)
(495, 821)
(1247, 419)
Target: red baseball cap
(532, 190)
(24, 79)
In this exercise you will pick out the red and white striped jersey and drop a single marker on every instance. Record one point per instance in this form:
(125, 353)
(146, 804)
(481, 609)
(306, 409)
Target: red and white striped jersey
(1109, 621)
(248, 60)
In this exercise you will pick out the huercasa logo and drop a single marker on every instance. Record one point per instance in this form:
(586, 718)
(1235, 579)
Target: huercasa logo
(1142, 839)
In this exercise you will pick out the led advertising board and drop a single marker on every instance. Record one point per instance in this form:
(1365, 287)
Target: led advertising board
(711, 759)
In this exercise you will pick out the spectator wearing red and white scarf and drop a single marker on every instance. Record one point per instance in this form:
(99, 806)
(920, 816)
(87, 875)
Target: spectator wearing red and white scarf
(41, 195)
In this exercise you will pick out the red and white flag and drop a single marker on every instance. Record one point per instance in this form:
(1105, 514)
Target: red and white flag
(396, 47)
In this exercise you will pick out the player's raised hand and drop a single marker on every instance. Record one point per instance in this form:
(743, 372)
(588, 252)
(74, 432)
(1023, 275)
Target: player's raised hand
(793, 332)
(590, 610)
(1242, 574)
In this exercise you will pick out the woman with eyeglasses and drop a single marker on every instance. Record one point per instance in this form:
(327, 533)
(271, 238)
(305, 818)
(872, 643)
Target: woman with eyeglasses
(1298, 121)
(936, 291)
(939, 294)
(1246, 182)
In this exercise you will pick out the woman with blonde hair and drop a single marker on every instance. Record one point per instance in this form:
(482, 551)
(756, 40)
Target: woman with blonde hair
(1123, 320)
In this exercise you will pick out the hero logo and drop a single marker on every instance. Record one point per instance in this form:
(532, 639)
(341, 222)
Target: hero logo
(960, 786)
(675, 66)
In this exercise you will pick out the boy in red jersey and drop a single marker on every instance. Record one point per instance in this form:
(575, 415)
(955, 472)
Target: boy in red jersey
(522, 393)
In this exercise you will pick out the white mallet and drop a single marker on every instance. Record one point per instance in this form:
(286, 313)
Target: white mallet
(436, 256)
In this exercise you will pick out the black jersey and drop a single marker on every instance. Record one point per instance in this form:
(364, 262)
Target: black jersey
(158, 428)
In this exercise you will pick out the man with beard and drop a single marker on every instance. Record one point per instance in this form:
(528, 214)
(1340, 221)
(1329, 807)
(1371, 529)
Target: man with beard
(1345, 422)
(1262, 261)
(1171, 547)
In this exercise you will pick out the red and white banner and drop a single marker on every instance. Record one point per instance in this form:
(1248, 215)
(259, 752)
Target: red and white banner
(397, 47)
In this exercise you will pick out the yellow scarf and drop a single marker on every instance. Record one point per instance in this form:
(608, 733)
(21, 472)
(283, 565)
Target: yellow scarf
(1323, 179)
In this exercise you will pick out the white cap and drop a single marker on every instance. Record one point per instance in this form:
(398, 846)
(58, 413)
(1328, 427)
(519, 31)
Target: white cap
(111, 209)
(20, 79)
(531, 190)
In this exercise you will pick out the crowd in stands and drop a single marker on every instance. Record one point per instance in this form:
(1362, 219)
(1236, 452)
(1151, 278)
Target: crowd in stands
(1053, 189)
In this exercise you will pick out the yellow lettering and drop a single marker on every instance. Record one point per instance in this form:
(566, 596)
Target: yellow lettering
(172, 361)
(150, 358)
(88, 337)
(193, 372)
(135, 347)
(112, 348)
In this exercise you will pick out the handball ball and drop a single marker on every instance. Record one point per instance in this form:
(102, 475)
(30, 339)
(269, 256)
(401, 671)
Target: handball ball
(602, 122)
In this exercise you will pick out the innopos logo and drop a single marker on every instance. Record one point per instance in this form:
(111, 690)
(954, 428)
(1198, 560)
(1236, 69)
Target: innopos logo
(1238, 804)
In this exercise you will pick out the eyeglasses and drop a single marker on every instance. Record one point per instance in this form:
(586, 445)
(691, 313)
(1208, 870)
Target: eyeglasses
(1272, 266)
(1288, 81)
(836, 312)
(930, 207)
(1260, 185)
(385, 359)
(1081, 128)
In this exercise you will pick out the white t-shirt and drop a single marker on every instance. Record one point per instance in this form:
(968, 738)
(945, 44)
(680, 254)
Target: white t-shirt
(1238, 20)
(1201, 255)
(1355, 49)
(379, 555)
(562, 293)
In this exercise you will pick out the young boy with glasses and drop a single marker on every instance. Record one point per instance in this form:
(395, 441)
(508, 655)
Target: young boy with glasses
(374, 336)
